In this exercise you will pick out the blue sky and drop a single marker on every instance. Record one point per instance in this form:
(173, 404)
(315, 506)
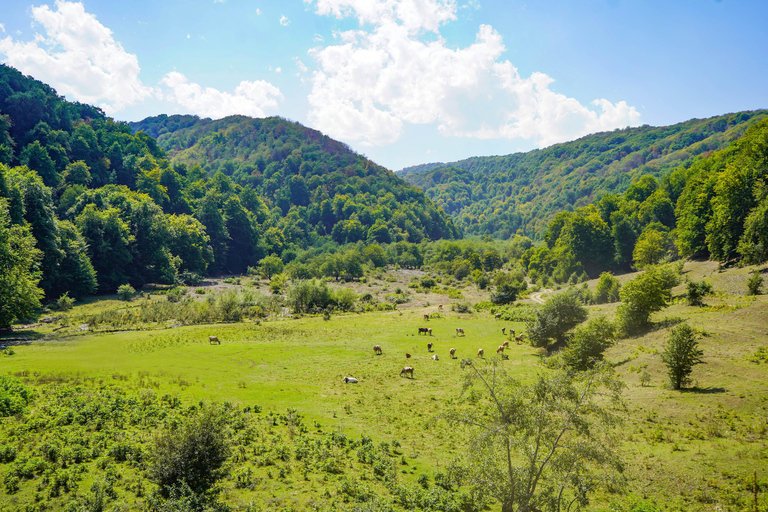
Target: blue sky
(403, 81)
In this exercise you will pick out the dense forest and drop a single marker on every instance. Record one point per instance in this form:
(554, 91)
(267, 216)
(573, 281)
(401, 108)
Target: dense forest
(522, 192)
(87, 205)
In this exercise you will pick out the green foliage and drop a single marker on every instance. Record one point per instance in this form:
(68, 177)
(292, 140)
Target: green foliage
(564, 416)
(313, 296)
(588, 343)
(697, 291)
(607, 289)
(19, 294)
(651, 248)
(560, 314)
(271, 265)
(191, 455)
(125, 292)
(14, 396)
(681, 354)
(647, 293)
(754, 283)
(64, 303)
(502, 195)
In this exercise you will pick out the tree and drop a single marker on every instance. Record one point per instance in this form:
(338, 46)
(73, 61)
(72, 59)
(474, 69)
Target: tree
(189, 241)
(586, 346)
(754, 283)
(270, 266)
(645, 294)
(651, 247)
(544, 446)
(192, 455)
(555, 318)
(607, 288)
(681, 354)
(19, 294)
(696, 291)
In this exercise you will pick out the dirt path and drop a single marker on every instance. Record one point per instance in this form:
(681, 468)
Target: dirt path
(536, 297)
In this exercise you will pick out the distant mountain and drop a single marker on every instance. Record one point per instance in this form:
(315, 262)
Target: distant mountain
(295, 166)
(522, 192)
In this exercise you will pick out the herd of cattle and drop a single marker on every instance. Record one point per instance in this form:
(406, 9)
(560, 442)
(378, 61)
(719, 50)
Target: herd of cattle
(427, 331)
(408, 370)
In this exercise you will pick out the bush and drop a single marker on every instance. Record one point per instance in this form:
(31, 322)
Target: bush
(681, 354)
(461, 307)
(607, 289)
(14, 396)
(125, 292)
(555, 318)
(696, 291)
(754, 283)
(175, 294)
(192, 455)
(588, 343)
(645, 294)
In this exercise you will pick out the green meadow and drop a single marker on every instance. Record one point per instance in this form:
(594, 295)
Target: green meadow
(282, 381)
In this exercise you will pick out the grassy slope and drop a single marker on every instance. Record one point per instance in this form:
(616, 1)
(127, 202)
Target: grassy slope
(686, 451)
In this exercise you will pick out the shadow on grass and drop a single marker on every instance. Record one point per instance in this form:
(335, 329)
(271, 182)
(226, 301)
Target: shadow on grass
(703, 391)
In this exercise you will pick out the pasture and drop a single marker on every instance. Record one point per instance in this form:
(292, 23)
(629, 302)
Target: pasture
(693, 450)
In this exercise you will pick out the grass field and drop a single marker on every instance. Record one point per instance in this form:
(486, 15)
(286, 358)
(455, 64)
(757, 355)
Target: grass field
(691, 450)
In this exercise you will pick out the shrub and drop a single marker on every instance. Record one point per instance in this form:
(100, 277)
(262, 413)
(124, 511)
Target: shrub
(14, 396)
(645, 294)
(681, 354)
(64, 303)
(696, 291)
(192, 455)
(461, 307)
(125, 292)
(754, 283)
(588, 343)
(175, 294)
(607, 289)
(555, 318)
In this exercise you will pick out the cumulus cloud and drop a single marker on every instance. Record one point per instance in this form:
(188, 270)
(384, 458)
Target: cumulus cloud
(284, 21)
(373, 82)
(79, 57)
(253, 99)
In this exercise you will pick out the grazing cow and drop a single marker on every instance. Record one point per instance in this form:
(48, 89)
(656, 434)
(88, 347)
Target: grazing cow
(440, 307)
(426, 316)
(429, 331)
(519, 339)
(500, 350)
(506, 344)
(350, 380)
(213, 339)
(498, 316)
(459, 330)
(407, 355)
(504, 330)
(407, 370)
(480, 353)
(453, 353)
(377, 349)
(424, 330)
(512, 332)
(435, 357)
(429, 346)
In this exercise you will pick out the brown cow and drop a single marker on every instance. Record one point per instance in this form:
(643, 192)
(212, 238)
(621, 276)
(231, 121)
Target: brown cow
(213, 339)
(480, 353)
(426, 316)
(504, 330)
(435, 357)
(459, 330)
(506, 344)
(407, 370)
(519, 339)
(440, 307)
(424, 330)
(453, 353)
(407, 355)
(500, 350)
(377, 349)
(429, 346)
(498, 316)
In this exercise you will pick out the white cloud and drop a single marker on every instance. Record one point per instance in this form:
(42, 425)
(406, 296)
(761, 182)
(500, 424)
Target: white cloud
(414, 15)
(253, 99)
(284, 21)
(189, 36)
(2, 27)
(374, 82)
(300, 65)
(258, 12)
(79, 57)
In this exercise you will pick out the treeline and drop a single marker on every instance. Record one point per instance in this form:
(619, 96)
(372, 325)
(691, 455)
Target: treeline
(715, 208)
(521, 193)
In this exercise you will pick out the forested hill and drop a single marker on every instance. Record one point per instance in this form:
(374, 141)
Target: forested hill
(501, 195)
(294, 166)
(88, 205)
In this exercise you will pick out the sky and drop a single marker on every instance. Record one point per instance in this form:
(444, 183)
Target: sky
(404, 82)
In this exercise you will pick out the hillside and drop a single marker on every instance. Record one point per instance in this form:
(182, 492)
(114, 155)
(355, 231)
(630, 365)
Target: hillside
(295, 166)
(522, 192)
